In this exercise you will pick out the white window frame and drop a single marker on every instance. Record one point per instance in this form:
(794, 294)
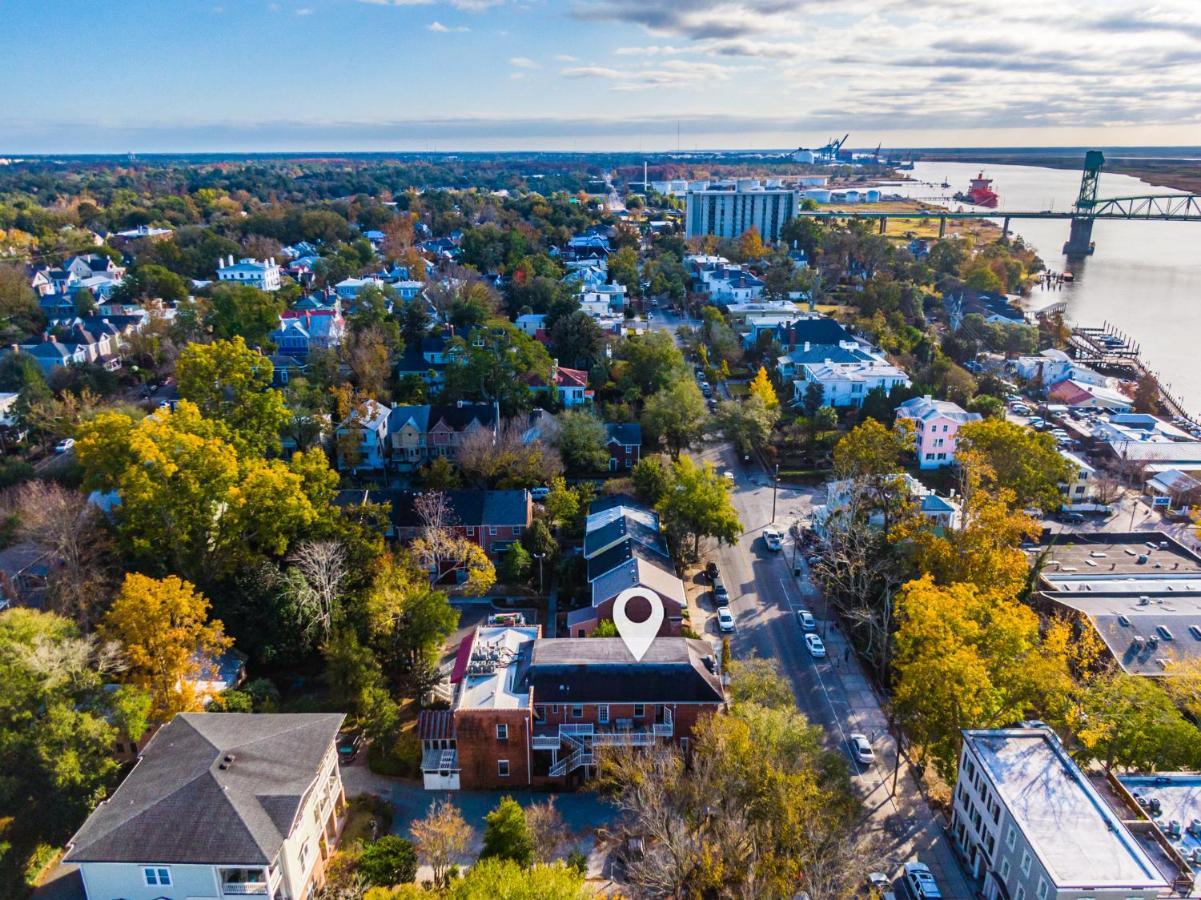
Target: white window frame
(1005, 869)
(602, 714)
(502, 768)
(154, 876)
(1025, 862)
(502, 731)
(1043, 888)
(639, 710)
(1011, 837)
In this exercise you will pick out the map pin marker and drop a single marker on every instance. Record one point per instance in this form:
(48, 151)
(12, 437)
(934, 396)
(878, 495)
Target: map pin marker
(638, 636)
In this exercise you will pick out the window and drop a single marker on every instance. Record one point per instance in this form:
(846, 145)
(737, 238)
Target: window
(1042, 888)
(602, 714)
(1005, 867)
(1020, 893)
(502, 768)
(502, 732)
(471, 531)
(304, 856)
(157, 876)
(1025, 862)
(539, 712)
(555, 709)
(1011, 837)
(577, 712)
(639, 710)
(683, 745)
(120, 747)
(516, 531)
(492, 530)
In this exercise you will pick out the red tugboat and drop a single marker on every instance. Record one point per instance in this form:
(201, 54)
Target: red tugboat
(980, 193)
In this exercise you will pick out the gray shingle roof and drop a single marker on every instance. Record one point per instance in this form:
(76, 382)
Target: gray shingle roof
(179, 806)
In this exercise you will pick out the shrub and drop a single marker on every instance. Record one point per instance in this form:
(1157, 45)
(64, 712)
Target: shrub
(390, 860)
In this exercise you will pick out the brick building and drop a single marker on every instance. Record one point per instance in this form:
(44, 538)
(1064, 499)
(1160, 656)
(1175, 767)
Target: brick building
(492, 519)
(624, 443)
(530, 711)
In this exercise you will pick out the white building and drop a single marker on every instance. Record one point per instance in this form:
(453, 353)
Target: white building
(612, 296)
(261, 274)
(348, 288)
(730, 213)
(846, 384)
(1032, 827)
(1081, 487)
(936, 425)
(370, 452)
(219, 805)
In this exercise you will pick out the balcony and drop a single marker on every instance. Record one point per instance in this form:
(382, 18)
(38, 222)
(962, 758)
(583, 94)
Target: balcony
(247, 882)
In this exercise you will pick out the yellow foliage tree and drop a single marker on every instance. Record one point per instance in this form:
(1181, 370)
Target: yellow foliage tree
(170, 645)
(761, 386)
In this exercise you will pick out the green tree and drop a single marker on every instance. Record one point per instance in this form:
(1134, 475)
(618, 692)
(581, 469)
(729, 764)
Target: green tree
(651, 479)
(581, 442)
(515, 565)
(390, 860)
(506, 835)
(652, 361)
(149, 282)
(623, 269)
(539, 540)
(239, 310)
(747, 424)
(676, 416)
(1131, 722)
(1012, 457)
(577, 340)
(357, 684)
(503, 879)
(231, 384)
(697, 506)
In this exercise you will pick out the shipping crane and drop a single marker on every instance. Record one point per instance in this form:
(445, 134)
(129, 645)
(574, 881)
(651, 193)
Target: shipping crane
(831, 150)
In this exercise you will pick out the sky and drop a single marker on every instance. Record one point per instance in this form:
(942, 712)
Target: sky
(115, 76)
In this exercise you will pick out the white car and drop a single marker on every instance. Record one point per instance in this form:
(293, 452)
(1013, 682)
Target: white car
(774, 539)
(861, 749)
(728, 476)
(806, 619)
(725, 619)
(920, 883)
(64, 445)
(816, 648)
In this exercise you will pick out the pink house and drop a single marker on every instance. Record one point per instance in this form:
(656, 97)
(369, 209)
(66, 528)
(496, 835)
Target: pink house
(935, 424)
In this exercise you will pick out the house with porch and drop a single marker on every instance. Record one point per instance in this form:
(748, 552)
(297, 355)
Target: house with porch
(219, 805)
(420, 433)
(531, 712)
(935, 425)
(370, 451)
(847, 384)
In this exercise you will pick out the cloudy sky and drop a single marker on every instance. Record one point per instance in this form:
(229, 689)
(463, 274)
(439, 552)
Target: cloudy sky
(179, 75)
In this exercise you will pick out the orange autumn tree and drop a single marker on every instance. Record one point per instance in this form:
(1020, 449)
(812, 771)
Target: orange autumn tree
(171, 647)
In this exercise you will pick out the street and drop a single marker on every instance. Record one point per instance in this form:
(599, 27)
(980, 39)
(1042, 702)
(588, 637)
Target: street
(833, 693)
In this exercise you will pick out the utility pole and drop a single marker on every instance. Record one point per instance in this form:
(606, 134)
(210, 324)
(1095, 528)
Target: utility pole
(539, 557)
(775, 487)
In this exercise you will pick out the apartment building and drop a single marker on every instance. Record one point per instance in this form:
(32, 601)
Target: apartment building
(1031, 826)
(262, 274)
(219, 805)
(729, 212)
(530, 711)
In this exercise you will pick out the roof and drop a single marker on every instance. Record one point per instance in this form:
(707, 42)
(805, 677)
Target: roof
(610, 559)
(815, 330)
(618, 529)
(1073, 832)
(639, 572)
(490, 680)
(927, 408)
(592, 670)
(609, 501)
(468, 508)
(625, 433)
(855, 371)
(179, 805)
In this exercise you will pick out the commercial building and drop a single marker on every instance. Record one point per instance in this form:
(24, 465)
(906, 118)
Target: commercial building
(729, 212)
(1030, 826)
(218, 805)
(529, 711)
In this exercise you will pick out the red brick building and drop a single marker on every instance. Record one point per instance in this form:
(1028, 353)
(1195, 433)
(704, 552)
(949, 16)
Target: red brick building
(530, 711)
(624, 443)
(492, 519)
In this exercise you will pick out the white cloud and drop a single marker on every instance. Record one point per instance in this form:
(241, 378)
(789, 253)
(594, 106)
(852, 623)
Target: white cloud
(566, 57)
(439, 28)
(304, 11)
(523, 62)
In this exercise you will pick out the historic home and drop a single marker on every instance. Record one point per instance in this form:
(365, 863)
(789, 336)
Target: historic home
(530, 711)
(219, 804)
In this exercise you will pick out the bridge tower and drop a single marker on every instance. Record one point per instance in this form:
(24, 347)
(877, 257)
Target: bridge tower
(1080, 237)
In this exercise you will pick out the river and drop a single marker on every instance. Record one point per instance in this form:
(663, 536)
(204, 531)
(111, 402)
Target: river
(1144, 278)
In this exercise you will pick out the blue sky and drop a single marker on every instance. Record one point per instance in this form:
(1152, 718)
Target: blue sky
(177, 75)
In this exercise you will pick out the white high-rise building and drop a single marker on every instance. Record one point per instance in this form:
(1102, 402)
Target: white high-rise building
(730, 212)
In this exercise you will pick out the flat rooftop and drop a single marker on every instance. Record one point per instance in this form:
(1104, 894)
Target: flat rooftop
(1179, 796)
(488, 681)
(1101, 556)
(1079, 840)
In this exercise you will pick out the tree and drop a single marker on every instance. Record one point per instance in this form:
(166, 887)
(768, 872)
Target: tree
(813, 399)
(653, 361)
(697, 505)
(390, 860)
(170, 645)
(562, 503)
(1130, 721)
(18, 303)
(577, 340)
(440, 474)
(442, 552)
(151, 282)
(506, 835)
(415, 322)
(70, 530)
(757, 680)
(322, 566)
(367, 355)
(442, 838)
(549, 834)
(1011, 456)
(676, 416)
(538, 540)
(231, 384)
(869, 457)
(747, 424)
(502, 879)
(581, 442)
(357, 683)
(1146, 394)
(515, 565)
(623, 269)
(239, 310)
(651, 479)
(761, 386)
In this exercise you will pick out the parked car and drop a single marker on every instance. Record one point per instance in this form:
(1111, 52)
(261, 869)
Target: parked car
(1071, 518)
(540, 493)
(861, 749)
(349, 743)
(711, 571)
(806, 619)
(816, 648)
(64, 445)
(774, 539)
(880, 887)
(720, 594)
(920, 883)
(725, 619)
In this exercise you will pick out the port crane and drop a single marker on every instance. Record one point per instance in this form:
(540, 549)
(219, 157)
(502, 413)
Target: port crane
(831, 150)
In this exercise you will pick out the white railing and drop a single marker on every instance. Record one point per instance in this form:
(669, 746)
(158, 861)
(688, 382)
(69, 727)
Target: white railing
(243, 888)
(623, 739)
(546, 742)
(664, 730)
(581, 757)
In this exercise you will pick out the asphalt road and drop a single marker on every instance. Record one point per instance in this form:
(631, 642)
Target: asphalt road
(832, 692)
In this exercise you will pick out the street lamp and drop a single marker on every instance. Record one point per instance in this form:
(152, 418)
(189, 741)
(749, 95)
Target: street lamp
(775, 487)
(539, 557)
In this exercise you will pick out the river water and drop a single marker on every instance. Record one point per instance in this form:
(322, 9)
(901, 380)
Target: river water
(1144, 278)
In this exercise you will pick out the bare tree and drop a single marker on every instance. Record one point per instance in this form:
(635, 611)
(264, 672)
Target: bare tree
(323, 565)
(441, 551)
(442, 838)
(513, 458)
(548, 831)
(73, 535)
(1107, 485)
